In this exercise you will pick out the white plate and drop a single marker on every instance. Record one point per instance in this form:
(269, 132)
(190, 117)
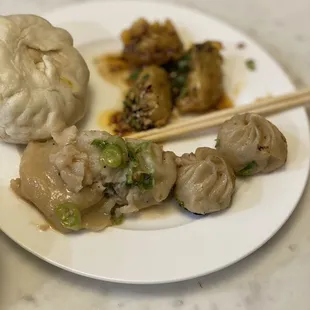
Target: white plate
(172, 246)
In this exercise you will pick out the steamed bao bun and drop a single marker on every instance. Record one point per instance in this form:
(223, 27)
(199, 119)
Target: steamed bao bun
(43, 79)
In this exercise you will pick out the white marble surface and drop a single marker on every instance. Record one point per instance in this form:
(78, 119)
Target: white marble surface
(276, 277)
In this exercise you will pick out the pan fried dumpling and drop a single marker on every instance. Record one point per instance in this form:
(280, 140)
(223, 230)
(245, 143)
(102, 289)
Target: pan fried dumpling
(251, 144)
(148, 103)
(198, 81)
(43, 79)
(205, 182)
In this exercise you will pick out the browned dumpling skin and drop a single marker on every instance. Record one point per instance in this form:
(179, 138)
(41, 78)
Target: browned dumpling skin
(151, 43)
(203, 88)
(205, 182)
(148, 103)
(251, 144)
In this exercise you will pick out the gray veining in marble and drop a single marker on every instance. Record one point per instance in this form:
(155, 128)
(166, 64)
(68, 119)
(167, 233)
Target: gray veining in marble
(276, 277)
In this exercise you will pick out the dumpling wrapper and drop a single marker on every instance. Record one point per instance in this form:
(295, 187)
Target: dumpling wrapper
(205, 182)
(251, 144)
(68, 170)
(40, 183)
(204, 88)
(43, 79)
(77, 150)
(148, 103)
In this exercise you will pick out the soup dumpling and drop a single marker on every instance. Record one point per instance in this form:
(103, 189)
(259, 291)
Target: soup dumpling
(251, 144)
(205, 182)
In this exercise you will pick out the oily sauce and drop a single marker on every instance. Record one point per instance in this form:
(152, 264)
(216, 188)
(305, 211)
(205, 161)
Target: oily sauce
(115, 69)
(224, 103)
(110, 120)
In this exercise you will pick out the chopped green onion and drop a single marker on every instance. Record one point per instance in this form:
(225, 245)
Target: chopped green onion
(248, 169)
(186, 57)
(69, 215)
(250, 63)
(146, 181)
(141, 179)
(180, 202)
(135, 74)
(138, 147)
(217, 143)
(111, 156)
(138, 173)
(145, 77)
(183, 64)
(138, 151)
(184, 92)
(100, 144)
(178, 73)
(180, 80)
(129, 180)
(114, 151)
(135, 124)
(127, 103)
(131, 155)
(131, 150)
(117, 220)
(133, 164)
(115, 140)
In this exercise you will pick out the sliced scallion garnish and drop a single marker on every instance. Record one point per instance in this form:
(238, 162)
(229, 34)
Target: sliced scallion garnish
(69, 215)
(111, 156)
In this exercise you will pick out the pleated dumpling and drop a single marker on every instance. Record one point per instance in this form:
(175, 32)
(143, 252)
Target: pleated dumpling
(251, 144)
(205, 182)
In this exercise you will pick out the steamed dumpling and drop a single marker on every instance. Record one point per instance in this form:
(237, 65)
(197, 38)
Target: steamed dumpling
(142, 176)
(251, 144)
(40, 183)
(205, 183)
(87, 179)
(43, 79)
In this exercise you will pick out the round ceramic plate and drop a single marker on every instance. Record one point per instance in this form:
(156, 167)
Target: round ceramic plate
(166, 244)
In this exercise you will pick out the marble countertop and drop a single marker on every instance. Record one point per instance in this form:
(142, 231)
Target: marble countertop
(275, 277)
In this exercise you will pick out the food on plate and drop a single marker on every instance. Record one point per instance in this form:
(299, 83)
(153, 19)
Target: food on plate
(89, 179)
(43, 79)
(251, 144)
(205, 182)
(113, 68)
(151, 43)
(40, 184)
(196, 75)
(197, 78)
(250, 64)
(148, 102)
(196, 85)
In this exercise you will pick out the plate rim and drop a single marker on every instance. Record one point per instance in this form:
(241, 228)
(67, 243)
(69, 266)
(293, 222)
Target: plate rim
(218, 20)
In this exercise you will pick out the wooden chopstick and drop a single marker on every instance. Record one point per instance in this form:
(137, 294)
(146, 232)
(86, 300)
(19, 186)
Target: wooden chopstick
(263, 106)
